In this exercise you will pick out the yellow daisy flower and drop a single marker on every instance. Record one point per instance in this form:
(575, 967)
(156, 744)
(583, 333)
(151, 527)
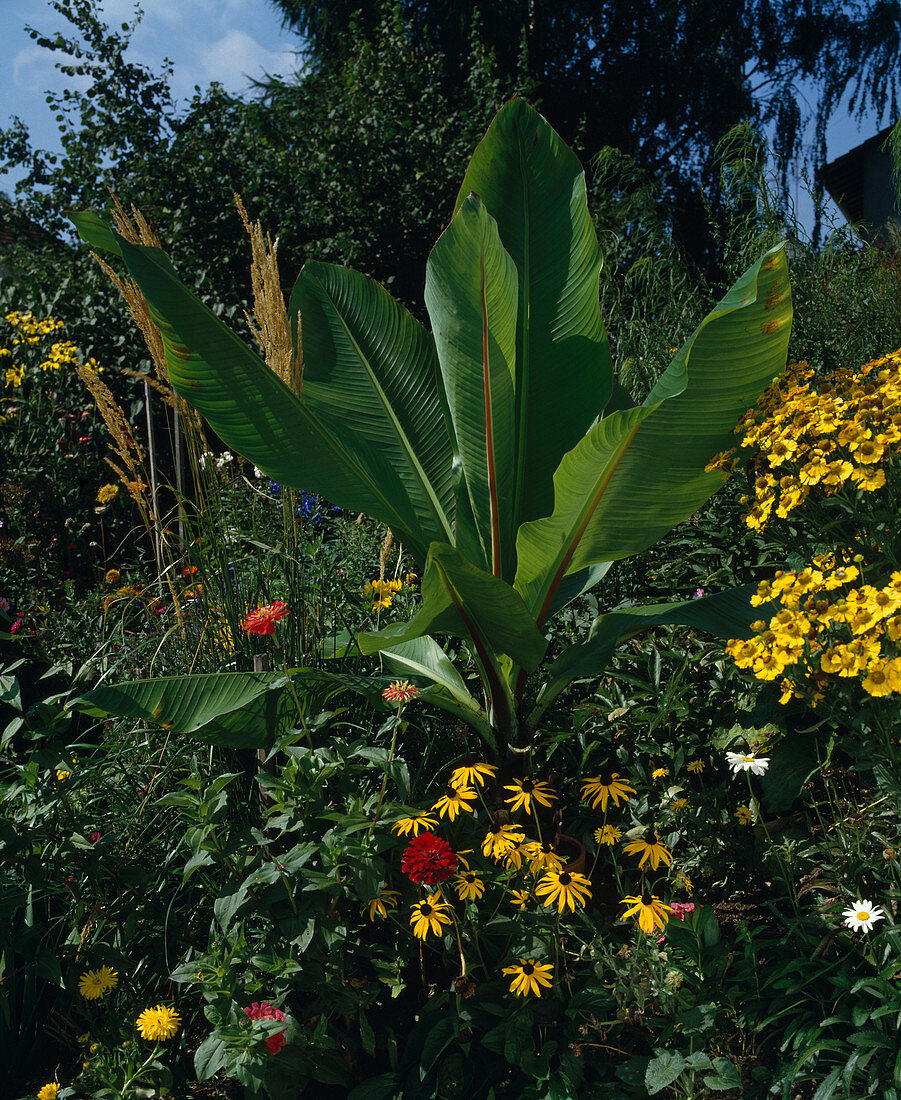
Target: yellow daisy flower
(524, 790)
(566, 888)
(529, 976)
(519, 898)
(455, 801)
(415, 824)
(50, 1091)
(659, 773)
(606, 786)
(470, 774)
(695, 766)
(652, 912)
(430, 915)
(609, 834)
(744, 815)
(91, 985)
(501, 840)
(652, 849)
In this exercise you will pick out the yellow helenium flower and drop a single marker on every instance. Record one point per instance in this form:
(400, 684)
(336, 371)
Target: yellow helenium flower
(378, 907)
(158, 1023)
(529, 976)
(566, 888)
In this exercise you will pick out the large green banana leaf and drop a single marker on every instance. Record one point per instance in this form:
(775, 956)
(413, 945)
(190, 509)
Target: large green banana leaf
(534, 186)
(298, 441)
(373, 367)
(471, 296)
(639, 472)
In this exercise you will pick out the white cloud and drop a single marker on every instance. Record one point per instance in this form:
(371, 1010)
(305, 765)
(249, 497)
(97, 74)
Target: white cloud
(236, 57)
(34, 71)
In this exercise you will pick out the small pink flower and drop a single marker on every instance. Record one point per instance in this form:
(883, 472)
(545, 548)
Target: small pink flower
(14, 629)
(94, 837)
(679, 910)
(699, 592)
(265, 1011)
(4, 603)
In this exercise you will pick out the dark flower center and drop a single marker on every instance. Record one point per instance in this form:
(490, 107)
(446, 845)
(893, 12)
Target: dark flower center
(565, 879)
(527, 785)
(606, 778)
(528, 969)
(495, 829)
(653, 840)
(646, 899)
(451, 793)
(425, 909)
(546, 848)
(470, 876)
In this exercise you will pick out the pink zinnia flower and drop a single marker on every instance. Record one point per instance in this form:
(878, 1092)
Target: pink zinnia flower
(266, 1011)
(680, 909)
(401, 691)
(14, 629)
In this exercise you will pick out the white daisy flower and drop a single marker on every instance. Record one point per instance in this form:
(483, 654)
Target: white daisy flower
(224, 459)
(740, 762)
(862, 915)
(257, 472)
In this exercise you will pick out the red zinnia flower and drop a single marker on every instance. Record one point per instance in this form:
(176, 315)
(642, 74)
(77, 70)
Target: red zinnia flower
(263, 620)
(428, 860)
(265, 1011)
(401, 691)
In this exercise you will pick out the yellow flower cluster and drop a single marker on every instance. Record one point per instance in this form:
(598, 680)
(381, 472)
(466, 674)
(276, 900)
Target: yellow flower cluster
(61, 354)
(31, 328)
(381, 593)
(822, 438)
(826, 626)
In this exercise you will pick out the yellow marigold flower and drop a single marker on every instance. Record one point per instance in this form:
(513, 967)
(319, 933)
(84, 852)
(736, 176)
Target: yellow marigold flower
(606, 786)
(470, 774)
(158, 1023)
(565, 888)
(454, 801)
(607, 834)
(469, 886)
(49, 1091)
(500, 840)
(378, 907)
(651, 848)
(652, 912)
(430, 915)
(415, 824)
(529, 976)
(524, 790)
(695, 766)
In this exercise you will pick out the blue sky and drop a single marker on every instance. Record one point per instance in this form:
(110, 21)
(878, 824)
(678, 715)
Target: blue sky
(224, 40)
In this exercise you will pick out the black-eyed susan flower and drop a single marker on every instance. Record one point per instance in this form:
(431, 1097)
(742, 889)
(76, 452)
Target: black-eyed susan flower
(470, 774)
(529, 976)
(469, 886)
(651, 848)
(608, 786)
(607, 834)
(415, 824)
(501, 839)
(379, 906)
(683, 882)
(744, 815)
(456, 800)
(524, 790)
(158, 1023)
(652, 912)
(519, 898)
(513, 859)
(430, 916)
(541, 857)
(566, 888)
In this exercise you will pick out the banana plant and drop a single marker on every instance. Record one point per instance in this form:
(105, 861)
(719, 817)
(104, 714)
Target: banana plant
(497, 444)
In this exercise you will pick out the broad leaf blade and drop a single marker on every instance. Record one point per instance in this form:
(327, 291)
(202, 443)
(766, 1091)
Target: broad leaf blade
(373, 367)
(466, 602)
(471, 295)
(724, 614)
(608, 511)
(297, 442)
(534, 186)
